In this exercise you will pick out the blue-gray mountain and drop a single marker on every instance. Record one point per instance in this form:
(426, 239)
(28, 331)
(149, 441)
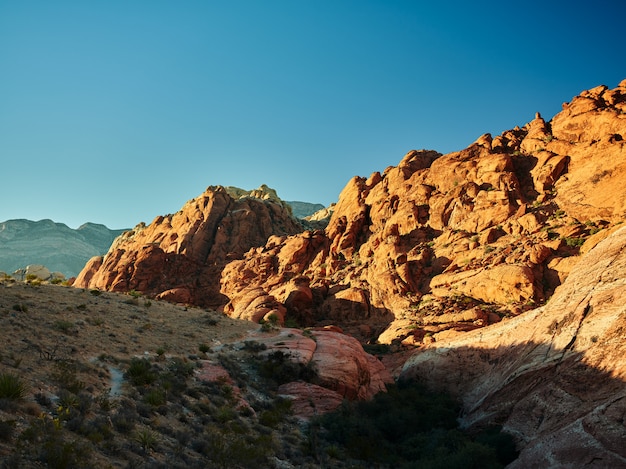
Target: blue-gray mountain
(66, 250)
(304, 209)
(55, 245)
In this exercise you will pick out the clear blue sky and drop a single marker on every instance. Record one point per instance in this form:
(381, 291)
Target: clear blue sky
(117, 111)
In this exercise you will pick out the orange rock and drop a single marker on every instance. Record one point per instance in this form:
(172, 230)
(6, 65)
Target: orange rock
(184, 253)
(339, 361)
(309, 400)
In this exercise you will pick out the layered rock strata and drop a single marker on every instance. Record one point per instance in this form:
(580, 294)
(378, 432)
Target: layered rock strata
(554, 377)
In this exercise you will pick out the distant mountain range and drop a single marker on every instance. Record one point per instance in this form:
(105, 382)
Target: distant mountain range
(304, 209)
(66, 250)
(55, 245)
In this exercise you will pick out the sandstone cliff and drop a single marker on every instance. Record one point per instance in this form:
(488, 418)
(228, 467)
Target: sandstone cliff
(180, 257)
(442, 244)
(436, 246)
(553, 377)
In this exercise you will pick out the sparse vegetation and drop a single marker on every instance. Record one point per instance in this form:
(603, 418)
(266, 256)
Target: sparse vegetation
(12, 387)
(81, 414)
(407, 427)
(574, 242)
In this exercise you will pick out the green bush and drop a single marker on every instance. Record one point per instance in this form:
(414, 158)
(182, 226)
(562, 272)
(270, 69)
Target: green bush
(140, 372)
(409, 427)
(155, 397)
(279, 368)
(12, 387)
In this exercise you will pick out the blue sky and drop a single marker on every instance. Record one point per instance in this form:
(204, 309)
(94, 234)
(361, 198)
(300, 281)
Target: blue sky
(117, 111)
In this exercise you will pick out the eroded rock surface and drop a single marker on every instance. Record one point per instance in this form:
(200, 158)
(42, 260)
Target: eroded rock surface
(554, 377)
(180, 257)
(496, 224)
(338, 360)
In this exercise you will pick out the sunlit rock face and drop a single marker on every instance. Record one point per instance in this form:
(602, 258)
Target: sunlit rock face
(180, 257)
(554, 377)
(436, 246)
(496, 226)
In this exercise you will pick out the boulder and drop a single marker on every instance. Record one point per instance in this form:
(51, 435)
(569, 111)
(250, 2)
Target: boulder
(339, 361)
(310, 400)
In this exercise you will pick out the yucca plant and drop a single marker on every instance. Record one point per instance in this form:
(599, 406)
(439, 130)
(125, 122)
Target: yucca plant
(12, 387)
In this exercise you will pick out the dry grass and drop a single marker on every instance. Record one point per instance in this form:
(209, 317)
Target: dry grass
(70, 347)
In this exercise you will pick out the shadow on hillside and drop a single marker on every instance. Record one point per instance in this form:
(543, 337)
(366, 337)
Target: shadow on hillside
(538, 394)
(361, 319)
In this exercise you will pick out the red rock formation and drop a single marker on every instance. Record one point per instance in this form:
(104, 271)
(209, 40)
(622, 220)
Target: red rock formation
(339, 361)
(180, 257)
(310, 400)
(554, 377)
(495, 223)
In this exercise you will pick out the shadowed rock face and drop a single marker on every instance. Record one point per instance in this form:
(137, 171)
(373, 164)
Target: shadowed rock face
(180, 257)
(554, 377)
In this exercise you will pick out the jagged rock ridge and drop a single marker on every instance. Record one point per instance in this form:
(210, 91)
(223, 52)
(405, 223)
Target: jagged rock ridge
(180, 257)
(439, 245)
(442, 244)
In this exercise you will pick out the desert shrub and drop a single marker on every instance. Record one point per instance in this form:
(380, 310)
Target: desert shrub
(226, 448)
(61, 454)
(279, 369)
(253, 346)
(140, 372)
(7, 429)
(12, 387)
(181, 368)
(65, 374)
(63, 326)
(274, 416)
(146, 438)
(574, 242)
(22, 308)
(409, 427)
(155, 397)
(125, 419)
(48, 444)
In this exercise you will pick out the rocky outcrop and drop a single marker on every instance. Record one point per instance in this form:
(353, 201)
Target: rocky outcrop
(55, 245)
(553, 377)
(180, 257)
(342, 369)
(35, 271)
(496, 225)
